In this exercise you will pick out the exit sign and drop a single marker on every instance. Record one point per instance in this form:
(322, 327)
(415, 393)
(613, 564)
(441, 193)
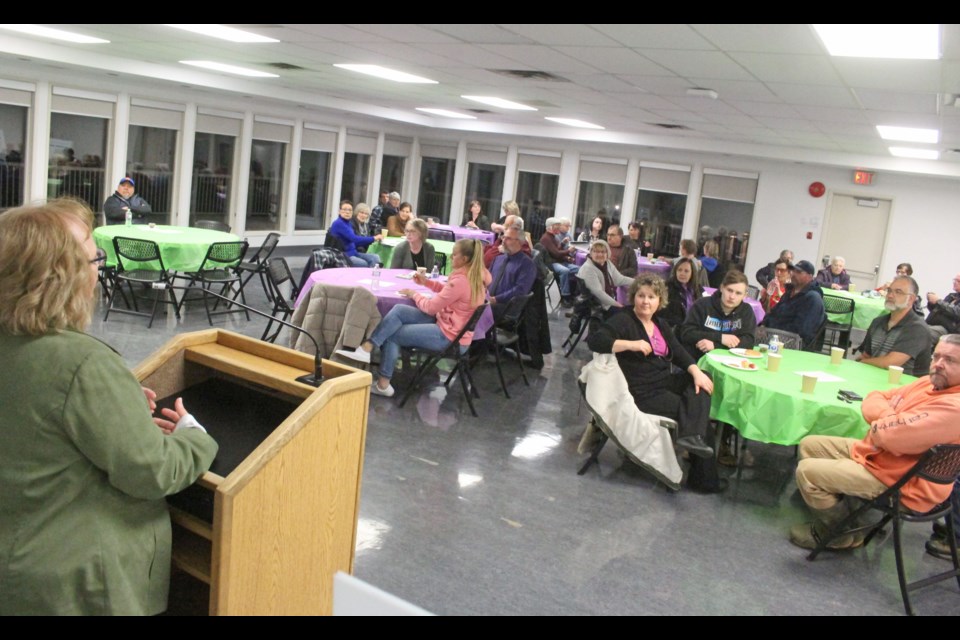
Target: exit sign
(862, 177)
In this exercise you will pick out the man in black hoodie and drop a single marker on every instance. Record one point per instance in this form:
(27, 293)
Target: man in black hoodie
(721, 321)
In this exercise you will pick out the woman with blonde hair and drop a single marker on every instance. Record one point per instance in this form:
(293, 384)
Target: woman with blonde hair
(435, 320)
(84, 468)
(414, 251)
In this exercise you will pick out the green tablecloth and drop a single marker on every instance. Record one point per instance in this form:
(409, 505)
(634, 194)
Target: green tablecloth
(182, 248)
(770, 407)
(384, 249)
(864, 310)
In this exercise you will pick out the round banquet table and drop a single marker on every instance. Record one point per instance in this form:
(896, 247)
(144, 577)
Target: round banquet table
(387, 293)
(385, 248)
(758, 311)
(770, 407)
(865, 308)
(182, 248)
(466, 233)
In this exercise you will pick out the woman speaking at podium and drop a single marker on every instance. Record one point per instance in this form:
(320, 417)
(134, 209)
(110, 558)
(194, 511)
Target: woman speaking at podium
(84, 468)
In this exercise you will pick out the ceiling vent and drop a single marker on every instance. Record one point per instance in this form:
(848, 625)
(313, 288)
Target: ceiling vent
(529, 74)
(664, 125)
(284, 66)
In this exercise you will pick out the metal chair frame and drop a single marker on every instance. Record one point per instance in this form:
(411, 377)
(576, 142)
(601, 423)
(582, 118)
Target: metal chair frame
(160, 280)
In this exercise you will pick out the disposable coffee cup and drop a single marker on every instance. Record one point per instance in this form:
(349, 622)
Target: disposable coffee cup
(650, 257)
(773, 361)
(852, 288)
(809, 383)
(152, 225)
(836, 355)
(893, 374)
(422, 270)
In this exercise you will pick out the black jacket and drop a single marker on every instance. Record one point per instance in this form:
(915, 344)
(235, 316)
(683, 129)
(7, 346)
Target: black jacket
(113, 209)
(706, 320)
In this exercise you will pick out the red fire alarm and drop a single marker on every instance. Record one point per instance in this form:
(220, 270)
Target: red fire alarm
(817, 189)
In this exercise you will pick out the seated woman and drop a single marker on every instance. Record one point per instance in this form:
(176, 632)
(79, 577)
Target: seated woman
(834, 276)
(645, 348)
(474, 217)
(601, 278)
(777, 286)
(682, 292)
(711, 263)
(396, 224)
(361, 221)
(84, 467)
(435, 321)
(415, 251)
(597, 230)
(343, 231)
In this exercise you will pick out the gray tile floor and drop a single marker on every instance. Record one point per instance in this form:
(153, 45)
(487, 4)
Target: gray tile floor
(487, 516)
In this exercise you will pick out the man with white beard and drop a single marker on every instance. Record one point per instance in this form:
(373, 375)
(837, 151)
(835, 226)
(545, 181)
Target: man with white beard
(901, 337)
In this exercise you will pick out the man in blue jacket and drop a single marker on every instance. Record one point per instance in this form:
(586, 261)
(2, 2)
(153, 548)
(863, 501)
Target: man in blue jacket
(800, 310)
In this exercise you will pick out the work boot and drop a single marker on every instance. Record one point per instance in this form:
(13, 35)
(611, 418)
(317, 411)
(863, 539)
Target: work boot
(809, 534)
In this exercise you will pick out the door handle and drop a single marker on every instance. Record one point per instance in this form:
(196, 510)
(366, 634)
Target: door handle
(876, 269)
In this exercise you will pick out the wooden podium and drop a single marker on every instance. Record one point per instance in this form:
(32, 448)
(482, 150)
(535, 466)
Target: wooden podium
(284, 490)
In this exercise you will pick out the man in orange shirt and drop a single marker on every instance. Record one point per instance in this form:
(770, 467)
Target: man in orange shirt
(904, 423)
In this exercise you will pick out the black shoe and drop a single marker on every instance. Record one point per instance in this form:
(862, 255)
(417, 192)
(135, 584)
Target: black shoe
(695, 445)
(566, 302)
(939, 530)
(719, 487)
(939, 548)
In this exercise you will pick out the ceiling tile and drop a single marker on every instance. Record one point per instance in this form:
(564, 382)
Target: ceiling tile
(700, 64)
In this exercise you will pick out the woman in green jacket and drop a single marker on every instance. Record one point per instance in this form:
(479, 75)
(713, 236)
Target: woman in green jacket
(84, 467)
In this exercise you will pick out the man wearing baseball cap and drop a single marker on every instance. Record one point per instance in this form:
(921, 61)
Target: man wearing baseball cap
(115, 207)
(800, 309)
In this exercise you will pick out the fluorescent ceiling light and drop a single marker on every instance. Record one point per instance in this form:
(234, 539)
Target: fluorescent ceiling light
(446, 114)
(573, 122)
(911, 41)
(229, 68)
(499, 102)
(385, 73)
(56, 34)
(909, 152)
(909, 134)
(222, 32)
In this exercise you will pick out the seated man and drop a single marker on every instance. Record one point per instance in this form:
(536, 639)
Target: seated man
(721, 321)
(123, 199)
(904, 423)
(492, 251)
(513, 272)
(834, 276)
(767, 273)
(944, 316)
(898, 338)
(561, 261)
(800, 310)
(623, 258)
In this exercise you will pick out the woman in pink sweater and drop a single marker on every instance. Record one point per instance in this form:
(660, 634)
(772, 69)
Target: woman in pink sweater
(435, 321)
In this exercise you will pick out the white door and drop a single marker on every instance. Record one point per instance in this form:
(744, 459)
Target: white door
(856, 229)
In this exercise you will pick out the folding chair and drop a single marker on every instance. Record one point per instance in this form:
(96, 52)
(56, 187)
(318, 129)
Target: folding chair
(446, 235)
(789, 339)
(257, 264)
(451, 351)
(548, 276)
(839, 331)
(587, 311)
(144, 253)
(505, 333)
(941, 465)
(278, 273)
(753, 291)
(219, 267)
(214, 225)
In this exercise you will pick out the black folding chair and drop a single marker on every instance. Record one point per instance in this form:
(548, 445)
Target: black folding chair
(753, 291)
(506, 333)
(547, 275)
(451, 351)
(257, 264)
(219, 267)
(278, 273)
(446, 235)
(214, 225)
(586, 312)
(838, 333)
(940, 465)
(144, 254)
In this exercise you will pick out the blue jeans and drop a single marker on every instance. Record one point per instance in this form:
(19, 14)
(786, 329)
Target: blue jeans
(564, 271)
(406, 326)
(364, 259)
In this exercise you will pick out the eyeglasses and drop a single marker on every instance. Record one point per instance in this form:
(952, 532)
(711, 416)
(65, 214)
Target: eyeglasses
(781, 269)
(898, 292)
(101, 257)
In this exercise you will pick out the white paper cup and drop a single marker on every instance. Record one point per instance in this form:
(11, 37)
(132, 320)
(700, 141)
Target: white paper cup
(809, 383)
(836, 355)
(773, 361)
(852, 288)
(893, 374)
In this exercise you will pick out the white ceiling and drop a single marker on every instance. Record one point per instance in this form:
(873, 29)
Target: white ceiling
(780, 94)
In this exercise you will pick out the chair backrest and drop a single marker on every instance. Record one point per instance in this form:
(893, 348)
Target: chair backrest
(816, 343)
(266, 249)
(221, 255)
(278, 272)
(513, 311)
(789, 339)
(333, 242)
(136, 250)
(837, 304)
(753, 291)
(329, 258)
(441, 234)
(471, 323)
(440, 261)
(215, 225)
(940, 464)
(538, 259)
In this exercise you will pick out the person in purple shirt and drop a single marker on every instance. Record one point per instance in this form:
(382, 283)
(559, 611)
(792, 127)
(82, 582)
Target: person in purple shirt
(834, 276)
(343, 231)
(513, 271)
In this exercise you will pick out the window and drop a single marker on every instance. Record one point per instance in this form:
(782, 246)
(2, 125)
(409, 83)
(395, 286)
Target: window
(212, 177)
(78, 145)
(597, 198)
(391, 174)
(484, 183)
(726, 215)
(661, 203)
(13, 134)
(312, 189)
(537, 197)
(266, 179)
(356, 176)
(436, 188)
(151, 153)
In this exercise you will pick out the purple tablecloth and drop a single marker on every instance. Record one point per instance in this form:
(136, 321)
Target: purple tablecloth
(387, 293)
(467, 233)
(754, 304)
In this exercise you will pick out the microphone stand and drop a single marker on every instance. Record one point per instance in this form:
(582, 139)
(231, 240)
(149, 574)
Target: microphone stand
(313, 379)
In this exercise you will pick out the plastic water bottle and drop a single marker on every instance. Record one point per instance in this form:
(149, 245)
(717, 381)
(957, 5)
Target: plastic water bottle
(774, 345)
(375, 276)
(435, 273)
(128, 218)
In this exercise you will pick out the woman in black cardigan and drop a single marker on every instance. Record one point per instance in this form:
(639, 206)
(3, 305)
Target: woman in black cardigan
(645, 348)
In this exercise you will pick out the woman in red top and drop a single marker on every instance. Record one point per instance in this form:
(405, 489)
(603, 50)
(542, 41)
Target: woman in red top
(770, 296)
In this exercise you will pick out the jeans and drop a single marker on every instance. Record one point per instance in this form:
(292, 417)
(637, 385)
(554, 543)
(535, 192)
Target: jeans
(364, 259)
(406, 326)
(564, 271)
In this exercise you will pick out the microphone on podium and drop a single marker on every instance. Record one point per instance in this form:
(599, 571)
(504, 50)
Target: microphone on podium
(313, 379)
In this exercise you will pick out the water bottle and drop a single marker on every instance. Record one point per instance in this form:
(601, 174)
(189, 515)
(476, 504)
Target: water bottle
(128, 218)
(375, 276)
(774, 345)
(435, 273)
